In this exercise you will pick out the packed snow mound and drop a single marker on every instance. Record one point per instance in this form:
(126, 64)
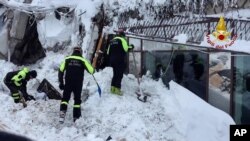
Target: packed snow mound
(168, 114)
(174, 114)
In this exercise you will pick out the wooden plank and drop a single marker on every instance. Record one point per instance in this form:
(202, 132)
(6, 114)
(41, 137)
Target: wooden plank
(97, 51)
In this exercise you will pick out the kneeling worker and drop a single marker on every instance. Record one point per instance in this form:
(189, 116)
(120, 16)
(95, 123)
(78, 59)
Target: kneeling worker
(16, 81)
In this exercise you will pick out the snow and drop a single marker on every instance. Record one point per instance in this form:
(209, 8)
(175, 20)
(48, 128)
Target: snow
(241, 14)
(181, 38)
(174, 114)
(167, 116)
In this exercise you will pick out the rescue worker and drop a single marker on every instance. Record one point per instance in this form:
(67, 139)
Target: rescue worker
(117, 52)
(16, 81)
(178, 65)
(198, 66)
(158, 71)
(73, 66)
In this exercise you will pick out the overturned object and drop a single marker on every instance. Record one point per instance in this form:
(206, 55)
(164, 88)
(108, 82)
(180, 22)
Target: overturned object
(50, 91)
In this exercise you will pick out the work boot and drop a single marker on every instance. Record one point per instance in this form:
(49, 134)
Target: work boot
(112, 89)
(76, 113)
(118, 91)
(62, 116)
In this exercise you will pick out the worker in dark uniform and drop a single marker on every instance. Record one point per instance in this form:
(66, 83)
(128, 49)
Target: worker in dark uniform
(198, 66)
(158, 71)
(117, 52)
(16, 81)
(178, 65)
(73, 66)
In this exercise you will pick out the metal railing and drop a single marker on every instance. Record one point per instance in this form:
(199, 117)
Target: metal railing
(196, 28)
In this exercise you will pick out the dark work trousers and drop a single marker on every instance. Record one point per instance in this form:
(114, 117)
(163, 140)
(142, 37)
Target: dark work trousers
(178, 64)
(76, 88)
(198, 70)
(118, 70)
(13, 90)
(179, 75)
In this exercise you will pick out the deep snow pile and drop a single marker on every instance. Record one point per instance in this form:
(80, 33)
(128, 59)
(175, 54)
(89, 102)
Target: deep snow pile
(174, 114)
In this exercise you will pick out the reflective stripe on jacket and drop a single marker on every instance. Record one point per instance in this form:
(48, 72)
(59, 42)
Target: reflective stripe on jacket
(85, 62)
(20, 76)
(124, 44)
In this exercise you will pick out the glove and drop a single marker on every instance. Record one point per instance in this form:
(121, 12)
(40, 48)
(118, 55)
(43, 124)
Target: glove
(61, 86)
(29, 97)
(132, 47)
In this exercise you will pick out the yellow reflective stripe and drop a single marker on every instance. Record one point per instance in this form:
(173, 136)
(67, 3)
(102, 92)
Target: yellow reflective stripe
(15, 94)
(25, 69)
(64, 102)
(124, 43)
(19, 76)
(17, 83)
(16, 97)
(89, 67)
(77, 106)
(86, 63)
(22, 73)
(62, 66)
